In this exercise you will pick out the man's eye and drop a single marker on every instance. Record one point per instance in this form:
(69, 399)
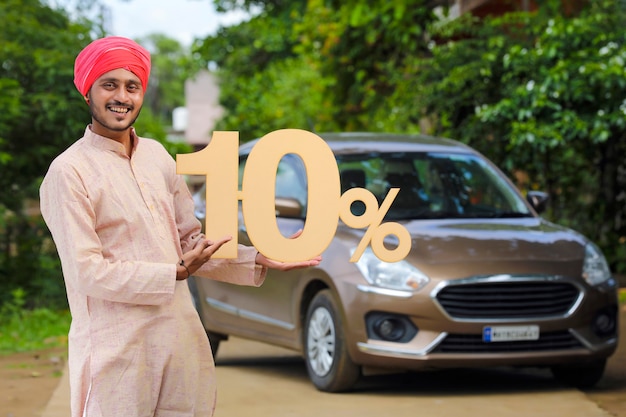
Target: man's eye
(108, 85)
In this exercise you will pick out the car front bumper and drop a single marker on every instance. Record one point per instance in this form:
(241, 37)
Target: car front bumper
(443, 340)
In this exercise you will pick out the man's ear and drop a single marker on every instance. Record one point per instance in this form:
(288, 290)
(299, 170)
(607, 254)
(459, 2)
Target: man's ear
(86, 97)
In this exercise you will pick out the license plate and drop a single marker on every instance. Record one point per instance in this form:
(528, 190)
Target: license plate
(510, 333)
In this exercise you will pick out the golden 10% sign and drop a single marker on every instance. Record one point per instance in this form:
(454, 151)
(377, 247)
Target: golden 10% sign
(219, 163)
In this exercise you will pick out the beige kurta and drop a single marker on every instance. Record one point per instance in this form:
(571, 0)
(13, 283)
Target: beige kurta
(120, 224)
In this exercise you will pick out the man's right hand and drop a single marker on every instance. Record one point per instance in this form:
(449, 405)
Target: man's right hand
(199, 255)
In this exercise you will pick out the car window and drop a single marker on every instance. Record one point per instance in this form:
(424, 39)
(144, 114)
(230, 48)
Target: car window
(433, 185)
(291, 179)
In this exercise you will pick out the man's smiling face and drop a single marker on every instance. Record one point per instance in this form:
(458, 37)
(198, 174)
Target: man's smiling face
(115, 100)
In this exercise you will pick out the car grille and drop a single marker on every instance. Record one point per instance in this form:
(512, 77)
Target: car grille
(463, 343)
(507, 300)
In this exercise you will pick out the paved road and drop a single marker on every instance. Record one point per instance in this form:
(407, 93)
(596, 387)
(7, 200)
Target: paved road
(258, 380)
(262, 381)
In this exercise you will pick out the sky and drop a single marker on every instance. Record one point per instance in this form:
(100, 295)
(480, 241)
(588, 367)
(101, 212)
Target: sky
(183, 20)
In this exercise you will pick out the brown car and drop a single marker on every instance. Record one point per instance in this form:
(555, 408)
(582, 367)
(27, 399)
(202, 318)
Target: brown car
(487, 281)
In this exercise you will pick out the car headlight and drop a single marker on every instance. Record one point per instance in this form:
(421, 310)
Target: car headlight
(396, 276)
(595, 268)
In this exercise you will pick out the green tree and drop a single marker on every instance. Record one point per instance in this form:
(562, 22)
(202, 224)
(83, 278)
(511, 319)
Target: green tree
(367, 49)
(172, 64)
(264, 84)
(315, 64)
(41, 113)
(544, 93)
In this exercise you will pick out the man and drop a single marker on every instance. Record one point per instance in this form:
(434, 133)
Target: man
(123, 224)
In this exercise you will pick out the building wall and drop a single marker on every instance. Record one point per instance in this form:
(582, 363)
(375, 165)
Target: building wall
(203, 108)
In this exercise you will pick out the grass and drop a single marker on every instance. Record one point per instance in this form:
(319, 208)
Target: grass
(34, 330)
(23, 330)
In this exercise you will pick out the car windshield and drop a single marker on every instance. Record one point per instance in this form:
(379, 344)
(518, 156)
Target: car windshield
(432, 185)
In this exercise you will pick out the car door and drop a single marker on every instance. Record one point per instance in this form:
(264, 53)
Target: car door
(268, 312)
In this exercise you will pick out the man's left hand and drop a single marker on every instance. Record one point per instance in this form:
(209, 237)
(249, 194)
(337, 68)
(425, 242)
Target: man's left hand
(286, 266)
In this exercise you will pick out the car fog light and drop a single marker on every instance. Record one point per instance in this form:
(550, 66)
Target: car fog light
(605, 323)
(390, 327)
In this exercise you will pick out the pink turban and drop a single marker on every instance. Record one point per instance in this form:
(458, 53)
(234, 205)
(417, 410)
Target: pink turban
(107, 54)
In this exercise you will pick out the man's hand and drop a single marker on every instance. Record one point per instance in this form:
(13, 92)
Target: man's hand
(286, 266)
(199, 255)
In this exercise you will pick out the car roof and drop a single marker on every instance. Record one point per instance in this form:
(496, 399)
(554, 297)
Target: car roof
(365, 142)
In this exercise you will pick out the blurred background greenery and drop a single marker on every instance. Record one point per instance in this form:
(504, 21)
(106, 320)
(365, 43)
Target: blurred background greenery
(538, 87)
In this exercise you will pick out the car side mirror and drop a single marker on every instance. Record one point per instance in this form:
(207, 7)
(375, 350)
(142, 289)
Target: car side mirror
(538, 199)
(288, 207)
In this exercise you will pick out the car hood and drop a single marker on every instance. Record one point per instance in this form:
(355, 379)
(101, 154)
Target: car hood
(471, 247)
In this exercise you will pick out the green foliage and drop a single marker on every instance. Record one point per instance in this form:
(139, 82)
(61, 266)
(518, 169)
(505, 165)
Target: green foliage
(28, 259)
(150, 126)
(619, 255)
(314, 65)
(38, 119)
(543, 94)
(261, 78)
(24, 330)
(37, 48)
(172, 64)
(258, 114)
(367, 48)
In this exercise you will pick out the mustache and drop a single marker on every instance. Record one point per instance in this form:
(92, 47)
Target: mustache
(121, 104)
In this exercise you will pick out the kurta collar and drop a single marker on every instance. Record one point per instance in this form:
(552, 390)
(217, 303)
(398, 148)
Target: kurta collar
(107, 144)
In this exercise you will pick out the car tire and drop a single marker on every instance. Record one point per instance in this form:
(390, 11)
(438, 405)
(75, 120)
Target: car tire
(214, 338)
(328, 363)
(581, 376)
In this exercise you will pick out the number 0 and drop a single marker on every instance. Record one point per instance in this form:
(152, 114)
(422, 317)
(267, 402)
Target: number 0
(258, 194)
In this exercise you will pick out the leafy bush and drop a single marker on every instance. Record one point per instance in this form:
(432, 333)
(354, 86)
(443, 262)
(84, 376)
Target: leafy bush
(542, 95)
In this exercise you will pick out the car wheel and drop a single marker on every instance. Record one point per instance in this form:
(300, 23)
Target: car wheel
(214, 338)
(326, 355)
(581, 376)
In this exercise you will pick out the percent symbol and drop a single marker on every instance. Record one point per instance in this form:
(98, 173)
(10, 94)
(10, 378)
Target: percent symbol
(372, 218)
